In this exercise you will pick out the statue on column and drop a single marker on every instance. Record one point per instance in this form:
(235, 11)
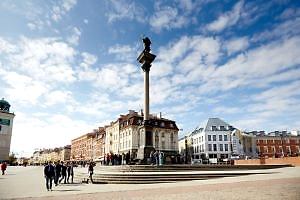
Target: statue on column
(147, 43)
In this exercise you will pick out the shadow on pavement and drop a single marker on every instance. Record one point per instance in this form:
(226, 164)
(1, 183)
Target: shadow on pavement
(70, 184)
(66, 190)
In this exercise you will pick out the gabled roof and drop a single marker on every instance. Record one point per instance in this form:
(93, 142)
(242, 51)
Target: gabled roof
(215, 122)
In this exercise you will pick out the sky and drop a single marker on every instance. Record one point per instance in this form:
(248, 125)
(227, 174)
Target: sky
(68, 67)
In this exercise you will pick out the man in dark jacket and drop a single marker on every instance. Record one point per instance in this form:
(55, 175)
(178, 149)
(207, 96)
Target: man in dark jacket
(49, 175)
(91, 171)
(70, 172)
(63, 172)
(57, 172)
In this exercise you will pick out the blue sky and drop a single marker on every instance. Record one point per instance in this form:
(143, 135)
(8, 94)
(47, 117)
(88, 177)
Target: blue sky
(67, 67)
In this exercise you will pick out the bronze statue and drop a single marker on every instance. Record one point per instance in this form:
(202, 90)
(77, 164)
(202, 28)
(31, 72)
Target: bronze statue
(147, 43)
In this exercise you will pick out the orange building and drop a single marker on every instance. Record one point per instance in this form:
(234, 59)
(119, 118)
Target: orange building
(81, 147)
(99, 143)
(89, 146)
(278, 146)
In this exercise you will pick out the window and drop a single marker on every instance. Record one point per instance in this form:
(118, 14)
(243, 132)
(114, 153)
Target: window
(162, 124)
(225, 138)
(214, 138)
(213, 128)
(221, 147)
(209, 137)
(215, 147)
(209, 147)
(226, 147)
(220, 138)
(222, 128)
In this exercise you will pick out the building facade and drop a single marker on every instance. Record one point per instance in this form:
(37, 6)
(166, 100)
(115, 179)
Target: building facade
(99, 145)
(6, 125)
(57, 154)
(127, 135)
(243, 144)
(82, 148)
(278, 145)
(212, 141)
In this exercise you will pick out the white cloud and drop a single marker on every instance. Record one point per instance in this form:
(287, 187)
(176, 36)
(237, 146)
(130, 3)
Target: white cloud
(290, 13)
(227, 19)
(123, 52)
(75, 36)
(45, 130)
(22, 89)
(254, 67)
(58, 97)
(46, 59)
(88, 59)
(86, 21)
(160, 69)
(285, 29)
(236, 45)
(120, 49)
(62, 8)
(120, 9)
(167, 18)
(6, 47)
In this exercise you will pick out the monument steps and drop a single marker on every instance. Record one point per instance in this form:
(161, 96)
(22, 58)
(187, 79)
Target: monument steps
(162, 174)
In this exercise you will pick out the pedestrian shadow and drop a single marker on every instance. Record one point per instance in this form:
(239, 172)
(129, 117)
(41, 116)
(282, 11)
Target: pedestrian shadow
(71, 184)
(66, 190)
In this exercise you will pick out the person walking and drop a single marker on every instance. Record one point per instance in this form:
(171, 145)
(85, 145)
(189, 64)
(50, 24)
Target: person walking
(161, 158)
(70, 172)
(156, 157)
(151, 157)
(63, 172)
(91, 171)
(57, 173)
(49, 175)
(3, 167)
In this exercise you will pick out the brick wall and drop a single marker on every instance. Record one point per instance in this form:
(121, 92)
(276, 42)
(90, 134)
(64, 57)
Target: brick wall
(295, 161)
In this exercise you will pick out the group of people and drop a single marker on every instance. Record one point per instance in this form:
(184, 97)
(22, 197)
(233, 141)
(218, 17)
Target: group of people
(3, 167)
(58, 172)
(156, 158)
(117, 159)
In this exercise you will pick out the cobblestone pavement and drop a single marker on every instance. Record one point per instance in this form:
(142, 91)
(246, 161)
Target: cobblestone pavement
(28, 183)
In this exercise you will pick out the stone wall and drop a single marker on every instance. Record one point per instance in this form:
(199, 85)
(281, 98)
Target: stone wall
(295, 161)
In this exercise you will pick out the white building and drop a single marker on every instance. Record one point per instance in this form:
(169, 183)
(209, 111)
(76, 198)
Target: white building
(6, 125)
(212, 141)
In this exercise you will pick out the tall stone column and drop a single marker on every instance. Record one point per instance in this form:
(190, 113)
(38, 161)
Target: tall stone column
(146, 129)
(146, 95)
